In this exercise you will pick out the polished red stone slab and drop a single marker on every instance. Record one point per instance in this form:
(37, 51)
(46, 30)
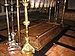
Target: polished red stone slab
(58, 50)
(3, 49)
(42, 33)
(67, 40)
(70, 32)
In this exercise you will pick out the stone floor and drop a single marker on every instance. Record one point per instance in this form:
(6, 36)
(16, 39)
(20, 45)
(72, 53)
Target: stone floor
(58, 50)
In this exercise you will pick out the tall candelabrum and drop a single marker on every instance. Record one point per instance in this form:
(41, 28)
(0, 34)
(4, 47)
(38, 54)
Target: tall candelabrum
(12, 45)
(56, 4)
(52, 4)
(27, 48)
(18, 22)
(56, 13)
(63, 13)
(12, 20)
(49, 13)
(9, 36)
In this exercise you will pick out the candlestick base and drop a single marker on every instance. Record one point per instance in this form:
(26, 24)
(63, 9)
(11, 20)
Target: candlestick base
(28, 49)
(13, 47)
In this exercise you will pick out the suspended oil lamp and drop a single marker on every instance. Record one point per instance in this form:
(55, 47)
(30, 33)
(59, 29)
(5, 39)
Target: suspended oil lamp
(27, 48)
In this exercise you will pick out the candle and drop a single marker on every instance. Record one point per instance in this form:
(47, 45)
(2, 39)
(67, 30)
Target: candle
(37, 2)
(32, 3)
(41, 3)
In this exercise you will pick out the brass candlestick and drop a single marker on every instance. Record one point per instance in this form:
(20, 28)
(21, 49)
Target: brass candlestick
(27, 48)
(56, 17)
(12, 18)
(18, 22)
(49, 14)
(7, 17)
